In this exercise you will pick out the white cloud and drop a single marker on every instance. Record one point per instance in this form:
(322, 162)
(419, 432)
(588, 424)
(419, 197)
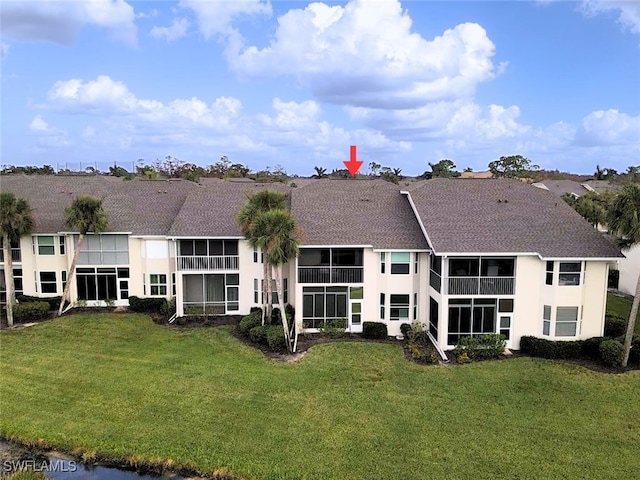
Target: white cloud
(365, 54)
(216, 17)
(609, 127)
(628, 11)
(48, 136)
(60, 22)
(176, 30)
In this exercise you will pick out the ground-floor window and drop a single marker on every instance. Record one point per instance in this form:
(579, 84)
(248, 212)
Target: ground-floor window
(469, 317)
(158, 284)
(320, 304)
(433, 317)
(566, 321)
(398, 307)
(102, 283)
(211, 294)
(274, 291)
(48, 282)
(17, 283)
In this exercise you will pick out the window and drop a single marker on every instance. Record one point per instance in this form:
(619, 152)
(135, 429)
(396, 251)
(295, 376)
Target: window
(320, 304)
(382, 302)
(497, 267)
(255, 291)
(566, 321)
(48, 282)
(569, 273)
(433, 317)
(63, 277)
(44, 245)
(470, 317)
(435, 279)
(173, 284)
(97, 283)
(505, 305)
(549, 277)
(158, 284)
(208, 248)
(399, 307)
(285, 290)
(464, 267)
(415, 306)
(210, 294)
(257, 251)
(383, 262)
(104, 249)
(400, 262)
(61, 244)
(416, 263)
(17, 282)
(546, 320)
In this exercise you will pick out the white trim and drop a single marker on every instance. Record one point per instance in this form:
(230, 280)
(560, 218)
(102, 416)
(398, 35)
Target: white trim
(336, 246)
(415, 212)
(382, 250)
(209, 237)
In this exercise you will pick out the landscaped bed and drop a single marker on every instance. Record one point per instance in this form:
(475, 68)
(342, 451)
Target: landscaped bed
(121, 387)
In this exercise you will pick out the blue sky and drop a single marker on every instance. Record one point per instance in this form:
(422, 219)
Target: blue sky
(295, 83)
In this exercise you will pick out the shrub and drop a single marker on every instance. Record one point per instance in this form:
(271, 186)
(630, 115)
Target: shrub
(25, 312)
(289, 311)
(421, 354)
(147, 304)
(481, 347)
(543, 348)
(169, 308)
(275, 316)
(591, 347)
(275, 338)
(255, 309)
(375, 330)
(54, 302)
(258, 334)
(405, 328)
(614, 325)
(418, 333)
(334, 328)
(634, 355)
(247, 323)
(612, 351)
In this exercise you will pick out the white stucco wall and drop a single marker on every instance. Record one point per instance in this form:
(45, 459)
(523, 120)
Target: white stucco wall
(629, 270)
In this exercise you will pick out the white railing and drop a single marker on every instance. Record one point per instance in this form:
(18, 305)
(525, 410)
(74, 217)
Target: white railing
(330, 274)
(480, 286)
(204, 262)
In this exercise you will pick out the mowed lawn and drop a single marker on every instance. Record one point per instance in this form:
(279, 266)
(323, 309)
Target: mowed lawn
(622, 306)
(121, 386)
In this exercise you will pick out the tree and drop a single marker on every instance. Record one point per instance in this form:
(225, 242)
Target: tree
(85, 214)
(320, 172)
(374, 168)
(599, 173)
(275, 234)
(624, 223)
(16, 221)
(257, 203)
(444, 168)
(513, 166)
(592, 206)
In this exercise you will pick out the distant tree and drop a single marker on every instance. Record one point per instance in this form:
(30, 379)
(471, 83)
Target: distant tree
(16, 221)
(468, 169)
(27, 170)
(320, 172)
(513, 166)
(237, 170)
(444, 168)
(92, 170)
(218, 169)
(610, 174)
(599, 173)
(374, 169)
(117, 171)
(624, 223)
(633, 174)
(593, 206)
(340, 173)
(85, 214)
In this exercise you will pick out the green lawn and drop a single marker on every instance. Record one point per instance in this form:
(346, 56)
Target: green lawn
(121, 386)
(622, 306)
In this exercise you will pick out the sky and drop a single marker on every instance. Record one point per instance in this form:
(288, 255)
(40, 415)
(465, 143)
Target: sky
(294, 84)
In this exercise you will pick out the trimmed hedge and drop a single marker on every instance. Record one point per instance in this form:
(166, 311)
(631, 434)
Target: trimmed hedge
(250, 321)
(25, 312)
(612, 352)
(54, 302)
(541, 347)
(614, 325)
(482, 347)
(275, 338)
(148, 304)
(405, 328)
(634, 355)
(374, 330)
(258, 334)
(591, 347)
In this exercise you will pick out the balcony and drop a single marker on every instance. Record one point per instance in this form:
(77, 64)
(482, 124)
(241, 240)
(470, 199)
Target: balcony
(480, 286)
(208, 263)
(15, 255)
(330, 274)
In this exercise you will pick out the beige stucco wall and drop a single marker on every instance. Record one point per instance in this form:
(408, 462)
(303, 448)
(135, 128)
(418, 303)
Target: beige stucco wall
(629, 270)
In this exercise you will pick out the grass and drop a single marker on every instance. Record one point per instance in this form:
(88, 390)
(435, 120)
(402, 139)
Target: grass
(622, 306)
(122, 387)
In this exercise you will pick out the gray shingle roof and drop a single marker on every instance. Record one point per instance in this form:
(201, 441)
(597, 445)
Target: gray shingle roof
(503, 216)
(560, 187)
(355, 212)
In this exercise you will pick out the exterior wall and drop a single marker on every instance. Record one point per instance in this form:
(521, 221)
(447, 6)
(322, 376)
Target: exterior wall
(629, 270)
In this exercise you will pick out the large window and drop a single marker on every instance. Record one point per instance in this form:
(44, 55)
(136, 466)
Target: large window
(104, 249)
(399, 307)
(17, 283)
(158, 284)
(469, 317)
(320, 304)
(211, 294)
(330, 265)
(48, 282)
(464, 267)
(400, 263)
(97, 283)
(15, 250)
(566, 321)
(570, 273)
(208, 248)
(433, 317)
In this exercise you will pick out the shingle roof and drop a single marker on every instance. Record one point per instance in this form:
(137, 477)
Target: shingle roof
(560, 187)
(355, 212)
(504, 216)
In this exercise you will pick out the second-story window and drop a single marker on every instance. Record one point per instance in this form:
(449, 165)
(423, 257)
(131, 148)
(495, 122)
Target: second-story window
(400, 263)
(44, 245)
(569, 273)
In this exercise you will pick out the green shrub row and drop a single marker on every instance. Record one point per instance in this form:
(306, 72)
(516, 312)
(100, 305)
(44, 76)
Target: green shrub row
(334, 328)
(275, 338)
(54, 302)
(481, 347)
(543, 348)
(29, 311)
(374, 330)
(254, 319)
(612, 352)
(614, 325)
(148, 304)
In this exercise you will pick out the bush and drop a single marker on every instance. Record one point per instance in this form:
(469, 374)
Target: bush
(422, 354)
(275, 316)
(591, 347)
(275, 338)
(481, 347)
(334, 328)
(147, 304)
(405, 328)
(614, 325)
(375, 330)
(612, 352)
(54, 302)
(634, 355)
(290, 312)
(418, 333)
(543, 348)
(258, 334)
(255, 309)
(25, 312)
(247, 323)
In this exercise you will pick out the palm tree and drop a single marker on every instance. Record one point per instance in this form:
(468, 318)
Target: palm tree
(599, 174)
(320, 172)
(276, 235)
(16, 221)
(624, 223)
(257, 203)
(86, 215)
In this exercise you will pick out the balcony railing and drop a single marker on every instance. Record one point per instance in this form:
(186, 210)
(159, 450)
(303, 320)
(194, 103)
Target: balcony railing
(15, 255)
(220, 262)
(480, 286)
(330, 274)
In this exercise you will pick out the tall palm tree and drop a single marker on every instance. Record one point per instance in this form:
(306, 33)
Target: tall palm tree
(85, 214)
(276, 235)
(624, 223)
(16, 221)
(259, 202)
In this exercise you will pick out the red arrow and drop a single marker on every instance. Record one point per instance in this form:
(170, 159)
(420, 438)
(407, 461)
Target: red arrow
(353, 165)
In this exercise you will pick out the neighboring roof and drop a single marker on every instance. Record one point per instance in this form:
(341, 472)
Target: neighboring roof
(504, 216)
(212, 210)
(601, 186)
(356, 212)
(483, 174)
(560, 187)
